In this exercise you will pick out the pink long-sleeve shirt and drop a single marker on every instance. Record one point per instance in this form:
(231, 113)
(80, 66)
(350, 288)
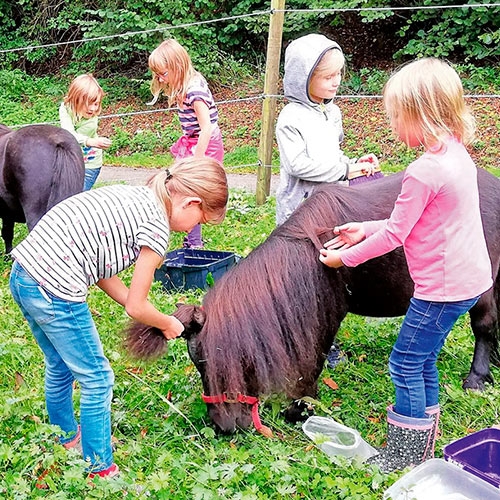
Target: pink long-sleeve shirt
(436, 219)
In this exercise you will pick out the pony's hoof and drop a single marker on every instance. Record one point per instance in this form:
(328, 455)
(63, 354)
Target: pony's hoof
(476, 382)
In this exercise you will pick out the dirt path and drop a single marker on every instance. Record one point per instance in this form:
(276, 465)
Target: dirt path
(137, 176)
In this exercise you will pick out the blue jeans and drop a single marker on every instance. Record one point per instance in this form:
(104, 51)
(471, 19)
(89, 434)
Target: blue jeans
(412, 363)
(91, 175)
(66, 333)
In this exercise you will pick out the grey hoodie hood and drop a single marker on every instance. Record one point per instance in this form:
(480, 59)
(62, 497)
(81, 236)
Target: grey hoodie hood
(301, 58)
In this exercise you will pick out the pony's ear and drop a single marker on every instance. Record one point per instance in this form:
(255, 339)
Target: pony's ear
(192, 317)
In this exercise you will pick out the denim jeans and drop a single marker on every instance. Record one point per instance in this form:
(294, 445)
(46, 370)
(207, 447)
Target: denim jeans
(412, 363)
(66, 333)
(91, 175)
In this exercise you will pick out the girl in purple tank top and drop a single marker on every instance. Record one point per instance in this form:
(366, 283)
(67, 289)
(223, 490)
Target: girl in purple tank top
(175, 76)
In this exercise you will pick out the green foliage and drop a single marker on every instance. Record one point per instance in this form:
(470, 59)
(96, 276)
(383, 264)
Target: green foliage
(474, 32)
(217, 49)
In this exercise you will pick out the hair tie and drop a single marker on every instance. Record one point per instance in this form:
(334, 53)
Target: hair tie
(169, 175)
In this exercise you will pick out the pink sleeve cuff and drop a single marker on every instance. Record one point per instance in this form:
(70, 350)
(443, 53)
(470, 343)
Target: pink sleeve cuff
(372, 226)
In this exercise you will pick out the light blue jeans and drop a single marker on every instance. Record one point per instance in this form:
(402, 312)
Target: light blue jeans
(66, 333)
(91, 175)
(412, 363)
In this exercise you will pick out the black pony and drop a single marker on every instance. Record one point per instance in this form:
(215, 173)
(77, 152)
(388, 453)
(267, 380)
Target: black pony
(40, 166)
(267, 325)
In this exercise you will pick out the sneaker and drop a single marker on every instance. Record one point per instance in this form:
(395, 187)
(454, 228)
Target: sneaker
(108, 473)
(40, 482)
(75, 442)
(335, 357)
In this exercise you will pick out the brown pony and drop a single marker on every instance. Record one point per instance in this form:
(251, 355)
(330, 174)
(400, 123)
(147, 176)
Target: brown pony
(40, 165)
(267, 325)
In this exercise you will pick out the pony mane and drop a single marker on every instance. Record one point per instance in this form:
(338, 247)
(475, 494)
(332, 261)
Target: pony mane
(264, 315)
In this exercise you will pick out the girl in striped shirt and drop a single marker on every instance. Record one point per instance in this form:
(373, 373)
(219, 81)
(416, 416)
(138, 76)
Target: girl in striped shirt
(174, 75)
(87, 239)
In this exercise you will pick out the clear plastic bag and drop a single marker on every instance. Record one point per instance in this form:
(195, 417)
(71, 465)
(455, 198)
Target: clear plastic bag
(337, 439)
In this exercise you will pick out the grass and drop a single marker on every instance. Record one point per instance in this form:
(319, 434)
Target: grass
(167, 449)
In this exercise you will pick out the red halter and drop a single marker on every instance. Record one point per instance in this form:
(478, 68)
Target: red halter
(239, 398)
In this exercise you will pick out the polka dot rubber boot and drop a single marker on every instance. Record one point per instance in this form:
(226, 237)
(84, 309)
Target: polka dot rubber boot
(408, 442)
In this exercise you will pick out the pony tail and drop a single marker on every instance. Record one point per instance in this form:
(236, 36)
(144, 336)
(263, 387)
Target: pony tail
(145, 342)
(158, 184)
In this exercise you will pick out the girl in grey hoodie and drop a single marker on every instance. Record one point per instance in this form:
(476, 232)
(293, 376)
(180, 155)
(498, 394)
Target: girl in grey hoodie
(309, 128)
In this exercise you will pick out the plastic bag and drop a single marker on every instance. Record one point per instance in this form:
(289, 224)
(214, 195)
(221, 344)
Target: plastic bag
(337, 439)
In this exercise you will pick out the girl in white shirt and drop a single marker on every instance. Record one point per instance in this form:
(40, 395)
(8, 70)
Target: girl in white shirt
(87, 239)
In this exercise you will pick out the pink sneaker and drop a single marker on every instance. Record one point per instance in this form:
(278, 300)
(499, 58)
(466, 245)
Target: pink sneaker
(108, 473)
(75, 441)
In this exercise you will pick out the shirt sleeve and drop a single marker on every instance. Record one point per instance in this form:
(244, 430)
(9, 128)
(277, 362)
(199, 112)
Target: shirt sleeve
(199, 92)
(67, 124)
(293, 154)
(154, 234)
(391, 233)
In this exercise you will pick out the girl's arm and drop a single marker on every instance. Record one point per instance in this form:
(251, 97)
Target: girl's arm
(203, 117)
(99, 142)
(67, 124)
(115, 288)
(295, 160)
(135, 299)
(415, 195)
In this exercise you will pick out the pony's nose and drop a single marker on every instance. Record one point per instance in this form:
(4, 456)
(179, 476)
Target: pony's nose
(225, 424)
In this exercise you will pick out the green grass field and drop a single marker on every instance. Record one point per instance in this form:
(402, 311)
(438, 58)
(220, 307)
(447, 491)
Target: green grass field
(168, 449)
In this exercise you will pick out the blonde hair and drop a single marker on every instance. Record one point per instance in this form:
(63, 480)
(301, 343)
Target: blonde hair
(428, 95)
(83, 90)
(198, 177)
(171, 56)
(325, 63)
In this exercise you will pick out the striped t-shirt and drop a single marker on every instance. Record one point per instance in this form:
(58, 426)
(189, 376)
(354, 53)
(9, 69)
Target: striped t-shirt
(91, 236)
(197, 91)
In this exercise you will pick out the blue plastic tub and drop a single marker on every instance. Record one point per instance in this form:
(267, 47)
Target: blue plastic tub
(477, 453)
(187, 268)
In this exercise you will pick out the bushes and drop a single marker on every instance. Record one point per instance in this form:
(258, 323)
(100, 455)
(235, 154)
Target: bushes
(467, 35)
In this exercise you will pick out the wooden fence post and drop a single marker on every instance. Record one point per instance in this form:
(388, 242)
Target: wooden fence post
(269, 103)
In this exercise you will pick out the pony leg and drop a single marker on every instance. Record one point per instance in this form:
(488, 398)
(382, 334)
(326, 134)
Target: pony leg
(484, 320)
(8, 234)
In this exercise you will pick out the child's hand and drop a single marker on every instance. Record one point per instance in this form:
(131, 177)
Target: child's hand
(330, 258)
(174, 329)
(104, 142)
(348, 235)
(99, 142)
(370, 162)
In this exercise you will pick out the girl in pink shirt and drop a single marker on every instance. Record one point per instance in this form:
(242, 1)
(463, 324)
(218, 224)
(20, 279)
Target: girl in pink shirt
(174, 75)
(436, 219)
